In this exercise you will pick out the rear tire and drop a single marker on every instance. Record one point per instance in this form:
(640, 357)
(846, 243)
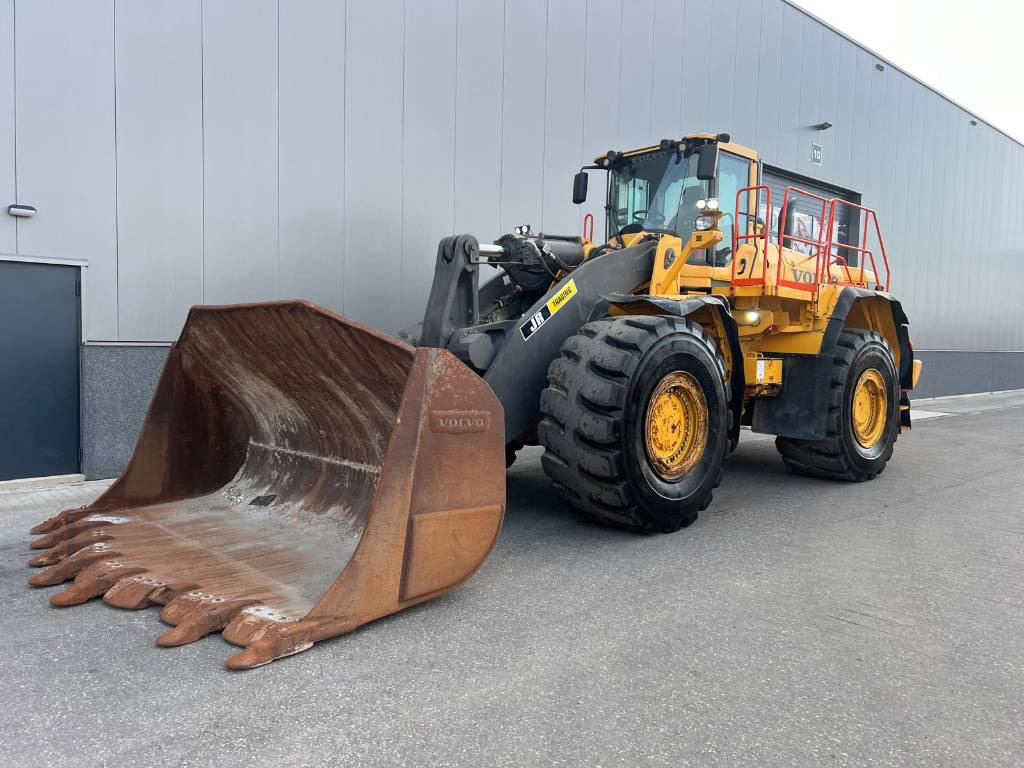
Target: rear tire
(841, 455)
(595, 421)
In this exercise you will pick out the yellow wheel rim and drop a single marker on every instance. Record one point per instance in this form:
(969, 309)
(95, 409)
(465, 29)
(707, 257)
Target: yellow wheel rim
(676, 427)
(870, 408)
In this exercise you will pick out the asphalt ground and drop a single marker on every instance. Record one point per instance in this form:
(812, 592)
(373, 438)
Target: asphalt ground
(797, 622)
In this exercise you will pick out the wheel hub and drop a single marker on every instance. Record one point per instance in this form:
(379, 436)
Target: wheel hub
(676, 427)
(870, 406)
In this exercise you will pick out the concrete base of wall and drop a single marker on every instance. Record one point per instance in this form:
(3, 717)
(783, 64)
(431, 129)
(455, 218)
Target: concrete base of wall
(118, 381)
(960, 373)
(117, 384)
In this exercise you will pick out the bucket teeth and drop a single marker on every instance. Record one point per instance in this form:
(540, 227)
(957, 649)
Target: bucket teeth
(62, 519)
(140, 591)
(66, 532)
(280, 640)
(69, 567)
(59, 552)
(270, 646)
(251, 623)
(196, 615)
(92, 581)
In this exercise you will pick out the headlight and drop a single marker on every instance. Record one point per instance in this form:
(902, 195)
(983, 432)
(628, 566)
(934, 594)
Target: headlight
(705, 222)
(712, 204)
(702, 204)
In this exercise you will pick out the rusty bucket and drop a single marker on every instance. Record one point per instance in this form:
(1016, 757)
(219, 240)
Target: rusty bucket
(297, 476)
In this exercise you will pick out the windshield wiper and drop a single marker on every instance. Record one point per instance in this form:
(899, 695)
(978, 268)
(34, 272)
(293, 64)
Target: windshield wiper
(616, 229)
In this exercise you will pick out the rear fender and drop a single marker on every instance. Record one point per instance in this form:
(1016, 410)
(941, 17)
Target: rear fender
(876, 311)
(800, 410)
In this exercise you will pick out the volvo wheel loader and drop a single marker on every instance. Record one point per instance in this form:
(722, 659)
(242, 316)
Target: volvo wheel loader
(298, 474)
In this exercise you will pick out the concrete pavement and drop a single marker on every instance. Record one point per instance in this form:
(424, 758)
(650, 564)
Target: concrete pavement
(798, 622)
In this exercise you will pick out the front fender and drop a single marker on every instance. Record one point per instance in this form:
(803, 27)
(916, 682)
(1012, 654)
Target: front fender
(727, 335)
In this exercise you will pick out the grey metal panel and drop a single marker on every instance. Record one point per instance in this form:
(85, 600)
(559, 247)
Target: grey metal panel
(159, 166)
(745, 94)
(478, 125)
(522, 135)
(769, 82)
(974, 332)
(696, 63)
(808, 87)
(946, 332)
(890, 150)
(311, 163)
(916, 255)
(667, 77)
(844, 140)
(790, 79)
(8, 187)
(828, 101)
(912, 256)
(65, 149)
(934, 238)
(563, 110)
(240, 137)
(863, 145)
(428, 146)
(1002, 194)
(989, 175)
(635, 73)
(1009, 249)
(897, 181)
(374, 73)
(601, 103)
(726, 38)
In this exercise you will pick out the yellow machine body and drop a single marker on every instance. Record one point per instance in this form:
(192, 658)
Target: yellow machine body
(772, 319)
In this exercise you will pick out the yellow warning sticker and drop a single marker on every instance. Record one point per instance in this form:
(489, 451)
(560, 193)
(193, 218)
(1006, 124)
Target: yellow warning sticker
(557, 301)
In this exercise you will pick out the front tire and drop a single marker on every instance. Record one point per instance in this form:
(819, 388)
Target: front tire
(635, 421)
(863, 415)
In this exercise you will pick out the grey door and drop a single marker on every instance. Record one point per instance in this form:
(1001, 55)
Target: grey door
(805, 213)
(39, 345)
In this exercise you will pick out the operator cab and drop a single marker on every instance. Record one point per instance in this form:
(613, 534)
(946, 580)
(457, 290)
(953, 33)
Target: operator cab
(660, 190)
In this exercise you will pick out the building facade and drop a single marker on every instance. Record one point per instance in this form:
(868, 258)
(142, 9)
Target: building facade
(180, 152)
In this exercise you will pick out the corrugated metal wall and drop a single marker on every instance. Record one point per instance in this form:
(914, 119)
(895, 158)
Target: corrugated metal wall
(230, 150)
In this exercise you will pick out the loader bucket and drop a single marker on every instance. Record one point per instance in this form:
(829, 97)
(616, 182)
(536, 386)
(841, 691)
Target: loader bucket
(297, 476)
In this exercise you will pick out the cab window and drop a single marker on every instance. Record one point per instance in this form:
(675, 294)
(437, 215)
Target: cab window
(733, 175)
(632, 200)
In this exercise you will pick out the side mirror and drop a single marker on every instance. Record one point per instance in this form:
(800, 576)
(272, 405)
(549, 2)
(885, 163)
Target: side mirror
(707, 162)
(579, 188)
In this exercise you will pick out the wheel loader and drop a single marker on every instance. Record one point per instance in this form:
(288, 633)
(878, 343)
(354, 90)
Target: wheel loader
(299, 475)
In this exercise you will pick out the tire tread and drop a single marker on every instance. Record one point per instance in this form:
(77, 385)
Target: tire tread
(583, 409)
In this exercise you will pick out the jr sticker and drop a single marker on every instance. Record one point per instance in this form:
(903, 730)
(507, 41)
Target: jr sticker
(554, 304)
